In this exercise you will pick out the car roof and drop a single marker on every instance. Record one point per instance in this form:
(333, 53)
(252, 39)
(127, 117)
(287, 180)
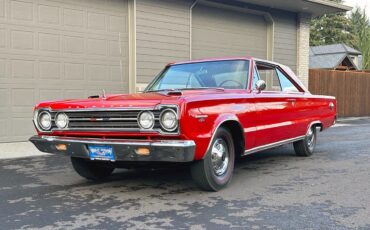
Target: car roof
(223, 59)
(211, 60)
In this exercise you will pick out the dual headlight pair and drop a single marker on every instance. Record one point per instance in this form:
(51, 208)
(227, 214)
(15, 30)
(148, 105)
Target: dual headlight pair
(146, 120)
(44, 120)
(167, 119)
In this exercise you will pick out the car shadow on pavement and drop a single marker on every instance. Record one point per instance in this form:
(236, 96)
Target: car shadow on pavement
(262, 162)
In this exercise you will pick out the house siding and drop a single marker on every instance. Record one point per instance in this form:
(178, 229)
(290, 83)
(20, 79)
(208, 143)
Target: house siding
(162, 35)
(285, 39)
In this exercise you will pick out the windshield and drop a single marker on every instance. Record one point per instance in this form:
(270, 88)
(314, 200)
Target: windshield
(216, 74)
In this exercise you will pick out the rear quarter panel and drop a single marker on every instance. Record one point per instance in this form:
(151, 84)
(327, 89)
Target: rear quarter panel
(318, 108)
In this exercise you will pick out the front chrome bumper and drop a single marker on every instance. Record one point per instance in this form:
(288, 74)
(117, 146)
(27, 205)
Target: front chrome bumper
(124, 150)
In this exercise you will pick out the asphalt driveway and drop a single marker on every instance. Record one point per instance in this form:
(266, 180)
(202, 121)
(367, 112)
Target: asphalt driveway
(269, 190)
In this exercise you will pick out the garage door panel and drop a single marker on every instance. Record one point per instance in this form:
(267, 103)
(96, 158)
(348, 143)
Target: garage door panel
(225, 18)
(21, 128)
(234, 44)
(50, 70)
(4, 123)
(2, 68)
(22, 97)
(233, 37)
(59, 49)
(75, 93)
(220, 32)
(50, 94)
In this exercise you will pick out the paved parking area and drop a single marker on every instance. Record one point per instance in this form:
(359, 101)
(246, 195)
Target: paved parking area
(269, 190)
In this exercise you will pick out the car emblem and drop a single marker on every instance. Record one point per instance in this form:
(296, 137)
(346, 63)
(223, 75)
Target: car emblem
(98, 119)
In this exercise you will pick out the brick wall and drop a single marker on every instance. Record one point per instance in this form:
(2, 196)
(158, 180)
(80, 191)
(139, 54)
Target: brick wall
(303, 38)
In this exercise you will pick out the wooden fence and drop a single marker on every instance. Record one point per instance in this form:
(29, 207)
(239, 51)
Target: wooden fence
(351, 88)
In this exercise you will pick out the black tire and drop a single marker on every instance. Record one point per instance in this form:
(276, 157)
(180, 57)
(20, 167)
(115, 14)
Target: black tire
(306, 147)
(203, 172)
(91, 170)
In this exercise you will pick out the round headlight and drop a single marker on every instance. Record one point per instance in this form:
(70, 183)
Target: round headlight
(146, 120)
(62, 121)
(168, 120)
(44, 120)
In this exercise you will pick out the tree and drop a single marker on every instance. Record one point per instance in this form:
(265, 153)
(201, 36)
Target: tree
(332, 28)
(361, 29)
(339, 28)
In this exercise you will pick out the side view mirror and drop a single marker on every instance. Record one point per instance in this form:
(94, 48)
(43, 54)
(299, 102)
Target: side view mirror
(260, 85)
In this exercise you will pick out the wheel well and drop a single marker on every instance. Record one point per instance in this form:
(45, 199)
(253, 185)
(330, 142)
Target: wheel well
(237, 133)
(318, 125)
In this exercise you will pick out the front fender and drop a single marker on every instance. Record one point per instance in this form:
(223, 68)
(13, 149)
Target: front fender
(208, 129)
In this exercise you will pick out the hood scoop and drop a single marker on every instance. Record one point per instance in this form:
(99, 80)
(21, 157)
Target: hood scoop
(174, 93)
(94, 97)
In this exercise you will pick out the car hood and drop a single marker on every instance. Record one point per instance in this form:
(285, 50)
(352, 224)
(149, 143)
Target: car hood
(138, 100)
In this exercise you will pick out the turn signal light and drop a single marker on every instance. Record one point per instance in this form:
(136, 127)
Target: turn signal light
(61, 147)
(142, 151)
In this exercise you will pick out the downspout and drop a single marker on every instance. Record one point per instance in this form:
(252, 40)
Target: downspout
(191, 29)
(132, 45)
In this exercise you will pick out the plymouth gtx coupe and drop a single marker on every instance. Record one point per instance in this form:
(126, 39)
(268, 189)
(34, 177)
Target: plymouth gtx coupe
(206, 113)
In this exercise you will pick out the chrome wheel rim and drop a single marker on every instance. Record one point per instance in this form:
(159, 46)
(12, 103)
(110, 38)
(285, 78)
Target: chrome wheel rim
(311, 139)
(220, 157)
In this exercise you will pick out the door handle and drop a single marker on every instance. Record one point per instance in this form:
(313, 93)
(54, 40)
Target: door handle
(292, 99)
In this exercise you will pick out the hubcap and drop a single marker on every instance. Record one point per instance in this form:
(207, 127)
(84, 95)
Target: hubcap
(220, 157)
(311, 139)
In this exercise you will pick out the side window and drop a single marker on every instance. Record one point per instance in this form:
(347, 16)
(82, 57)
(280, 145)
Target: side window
(286, 84)
(256, 77)
(270, 76)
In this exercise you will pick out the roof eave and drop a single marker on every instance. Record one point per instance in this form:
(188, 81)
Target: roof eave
(327, 7)
(339, 6)
(313, 8)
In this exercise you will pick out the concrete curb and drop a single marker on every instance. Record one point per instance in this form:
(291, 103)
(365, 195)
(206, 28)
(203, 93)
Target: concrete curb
(351, 118)
(19, 150)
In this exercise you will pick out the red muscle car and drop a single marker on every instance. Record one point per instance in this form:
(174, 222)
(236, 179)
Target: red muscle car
(204, 112)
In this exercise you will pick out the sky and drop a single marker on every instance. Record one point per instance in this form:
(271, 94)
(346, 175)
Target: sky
(361, 3)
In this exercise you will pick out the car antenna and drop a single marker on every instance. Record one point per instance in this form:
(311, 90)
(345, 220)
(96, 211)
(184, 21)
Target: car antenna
(103, 95)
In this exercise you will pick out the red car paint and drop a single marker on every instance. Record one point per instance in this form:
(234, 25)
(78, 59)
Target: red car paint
(265, 117)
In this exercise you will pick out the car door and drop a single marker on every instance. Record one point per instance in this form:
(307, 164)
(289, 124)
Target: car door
(274, 107)
(298, 97)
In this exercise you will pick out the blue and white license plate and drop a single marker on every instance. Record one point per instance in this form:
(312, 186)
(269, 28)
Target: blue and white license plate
(102, 153)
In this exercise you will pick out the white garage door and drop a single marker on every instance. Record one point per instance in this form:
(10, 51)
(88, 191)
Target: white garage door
(55, 50)
(220, 32)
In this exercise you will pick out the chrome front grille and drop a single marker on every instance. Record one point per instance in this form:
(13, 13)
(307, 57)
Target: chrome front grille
(119, 120)
(108, 120)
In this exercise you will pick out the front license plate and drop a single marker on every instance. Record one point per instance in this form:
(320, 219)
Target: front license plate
(102, 153)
